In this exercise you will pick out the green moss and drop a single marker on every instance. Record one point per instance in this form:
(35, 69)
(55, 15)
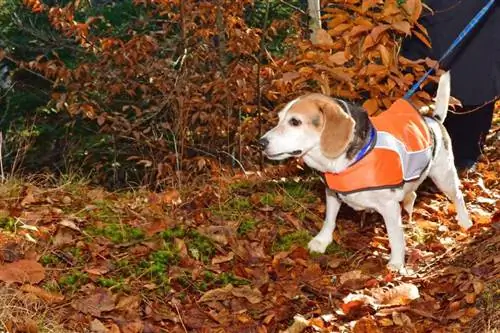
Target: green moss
(336, 249)
(240, 203)
(49, 259)
(285, 242)
(267, 199)
(200, 247)
(246, 226)
(8, 224)
(73, 280)
(170, 234)
(117, 233)
(110, 283)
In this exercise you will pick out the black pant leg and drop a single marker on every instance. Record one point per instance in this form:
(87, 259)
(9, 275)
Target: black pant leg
(468, 131)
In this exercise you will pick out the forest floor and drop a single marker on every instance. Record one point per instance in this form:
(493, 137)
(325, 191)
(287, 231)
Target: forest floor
(230, 256)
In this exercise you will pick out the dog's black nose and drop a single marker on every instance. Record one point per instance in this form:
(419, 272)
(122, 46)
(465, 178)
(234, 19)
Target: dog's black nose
(263, 142)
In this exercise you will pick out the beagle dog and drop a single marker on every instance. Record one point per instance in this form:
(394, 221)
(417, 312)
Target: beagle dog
(370, 163)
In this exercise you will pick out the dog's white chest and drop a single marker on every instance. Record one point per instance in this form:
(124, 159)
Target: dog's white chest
(356, 201)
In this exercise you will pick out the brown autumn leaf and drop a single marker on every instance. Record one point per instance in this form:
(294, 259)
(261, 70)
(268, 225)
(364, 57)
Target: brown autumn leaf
(367, 4)
(366, 325)
(254, 296)
(63, 237)
(413, 8)
(402, 320)
(338, 58)
(385, 55)
(95, 304)
(96, 326)
(133, 327)
(22, 271)
(222, 258)
(49, 297)
(402, 26)
(321, 37)
(371, 106)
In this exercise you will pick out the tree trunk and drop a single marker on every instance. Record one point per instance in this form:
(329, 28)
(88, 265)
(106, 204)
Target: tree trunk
(313, 7)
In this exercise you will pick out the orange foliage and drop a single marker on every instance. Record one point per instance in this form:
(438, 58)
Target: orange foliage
(191, 86)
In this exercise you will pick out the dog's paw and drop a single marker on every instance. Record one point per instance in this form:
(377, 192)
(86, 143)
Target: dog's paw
(465, 223)
(398, 267)
(319, 244)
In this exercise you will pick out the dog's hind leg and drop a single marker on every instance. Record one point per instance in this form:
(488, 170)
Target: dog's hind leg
(408, 203)
(444, 175)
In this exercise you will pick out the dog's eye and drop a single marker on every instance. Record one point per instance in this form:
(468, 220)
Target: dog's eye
(294, 122)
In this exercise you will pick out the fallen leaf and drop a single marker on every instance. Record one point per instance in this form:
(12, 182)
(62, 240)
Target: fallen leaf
(399, 295)
(22, 271)
(96, 326)
(386, 322)
(128, 303)
(69, 224)
(49, 297)
(133, 327)
(321, 37)
(478, 286)
(254, 296)
(338, 58)
(352, 305)
(63, 237)
(402, 320)
(366, 325)
(222, 258)
(95, 304)
(299, 324)
(470, 298)
(353, 280)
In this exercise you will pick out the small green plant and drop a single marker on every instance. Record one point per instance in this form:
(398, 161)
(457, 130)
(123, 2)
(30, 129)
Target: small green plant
(200, 247)
(240, 204)
(51, 286)
(117, 233)
(335, 249)
(8, 224)
(285, 242)
(49, 259)
(246, 226)
(176, 232)
(420, 236)
(73, 280)
(110, 283)
(267, 199)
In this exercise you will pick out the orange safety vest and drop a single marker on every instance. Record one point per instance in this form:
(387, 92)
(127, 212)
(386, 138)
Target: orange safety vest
(402, 151)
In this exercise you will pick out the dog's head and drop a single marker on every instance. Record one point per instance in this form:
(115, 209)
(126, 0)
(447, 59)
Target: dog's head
(307, 122)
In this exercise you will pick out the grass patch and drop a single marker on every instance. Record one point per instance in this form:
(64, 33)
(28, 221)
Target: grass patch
(111, 283)
(49, 260)
(199, 246)
(285, 242)
(337, 250)
(117, 233)
(72, 281)
(246, 226)
(8, 224)
(26, 314)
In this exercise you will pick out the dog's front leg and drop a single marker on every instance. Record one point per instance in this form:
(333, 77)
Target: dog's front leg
(391, 213)
(325, 236)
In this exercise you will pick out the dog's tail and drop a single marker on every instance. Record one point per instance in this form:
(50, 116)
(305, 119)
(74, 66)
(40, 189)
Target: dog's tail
(442, 97)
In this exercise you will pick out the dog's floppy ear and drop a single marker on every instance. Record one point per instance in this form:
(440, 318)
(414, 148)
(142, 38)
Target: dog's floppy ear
(338, 129)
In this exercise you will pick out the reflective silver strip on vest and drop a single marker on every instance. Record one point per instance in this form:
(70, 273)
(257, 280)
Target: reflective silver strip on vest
(413, 163)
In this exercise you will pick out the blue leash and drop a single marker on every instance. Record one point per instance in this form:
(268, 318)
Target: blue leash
(455, 43)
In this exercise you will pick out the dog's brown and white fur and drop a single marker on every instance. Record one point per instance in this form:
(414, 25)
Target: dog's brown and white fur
(328, 133)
